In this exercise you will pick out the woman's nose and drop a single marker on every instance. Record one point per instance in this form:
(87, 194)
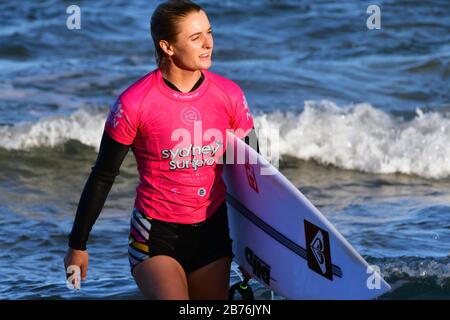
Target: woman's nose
(208, 42)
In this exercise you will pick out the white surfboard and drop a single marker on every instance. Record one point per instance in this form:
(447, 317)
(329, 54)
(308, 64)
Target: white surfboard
(286, 243)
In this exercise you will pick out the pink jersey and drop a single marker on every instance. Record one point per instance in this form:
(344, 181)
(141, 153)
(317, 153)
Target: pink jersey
(177, 139)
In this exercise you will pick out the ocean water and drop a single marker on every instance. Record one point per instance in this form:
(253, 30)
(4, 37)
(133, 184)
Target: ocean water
(363, 117)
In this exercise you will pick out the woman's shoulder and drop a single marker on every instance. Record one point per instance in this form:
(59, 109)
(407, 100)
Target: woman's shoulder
(141, 87)
(225, 84)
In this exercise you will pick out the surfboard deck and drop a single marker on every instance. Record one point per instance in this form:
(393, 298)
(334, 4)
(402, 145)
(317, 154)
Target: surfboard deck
(285, 242)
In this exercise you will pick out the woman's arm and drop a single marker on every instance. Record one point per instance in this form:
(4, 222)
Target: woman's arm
(96, 189)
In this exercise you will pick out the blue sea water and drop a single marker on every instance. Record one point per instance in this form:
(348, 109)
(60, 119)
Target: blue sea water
(363, 117)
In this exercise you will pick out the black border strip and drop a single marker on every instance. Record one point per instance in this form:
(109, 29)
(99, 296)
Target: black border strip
(272, 232)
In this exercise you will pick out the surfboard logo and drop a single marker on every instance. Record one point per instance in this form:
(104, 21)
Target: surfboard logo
(251, 177)
(260, 268)
(318, 250)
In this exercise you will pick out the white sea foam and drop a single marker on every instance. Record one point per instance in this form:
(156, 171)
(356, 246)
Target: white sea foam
(52, 131)
(360, 137)
(418, 268)
(354, 137)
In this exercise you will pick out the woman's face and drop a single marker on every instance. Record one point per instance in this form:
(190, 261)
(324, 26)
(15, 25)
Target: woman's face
(194, 44)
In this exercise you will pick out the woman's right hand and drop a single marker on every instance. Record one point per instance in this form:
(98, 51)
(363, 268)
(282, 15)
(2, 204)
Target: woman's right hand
(73, 260)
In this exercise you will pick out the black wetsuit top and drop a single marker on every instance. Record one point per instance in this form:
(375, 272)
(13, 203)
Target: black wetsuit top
(101, 179)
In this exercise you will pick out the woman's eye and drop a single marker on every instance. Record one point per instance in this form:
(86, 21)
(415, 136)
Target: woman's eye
(196, 38)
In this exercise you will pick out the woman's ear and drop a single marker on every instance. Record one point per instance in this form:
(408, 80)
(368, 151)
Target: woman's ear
(166, 47)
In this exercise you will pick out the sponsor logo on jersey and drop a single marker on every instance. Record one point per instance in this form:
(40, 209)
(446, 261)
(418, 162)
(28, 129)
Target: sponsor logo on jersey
(247, 114)
(189, 115)
(115, 114)
(202, 192)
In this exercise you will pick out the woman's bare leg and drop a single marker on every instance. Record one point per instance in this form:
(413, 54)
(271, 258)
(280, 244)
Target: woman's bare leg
(161, 278)
(210, 282)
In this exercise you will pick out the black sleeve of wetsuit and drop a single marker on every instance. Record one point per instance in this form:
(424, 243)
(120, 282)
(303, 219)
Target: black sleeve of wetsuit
(252, 137)
(248, 139)
(96, 189)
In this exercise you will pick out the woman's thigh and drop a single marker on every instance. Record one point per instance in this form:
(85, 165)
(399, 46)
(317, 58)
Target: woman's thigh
(161, 278)
(210, 282)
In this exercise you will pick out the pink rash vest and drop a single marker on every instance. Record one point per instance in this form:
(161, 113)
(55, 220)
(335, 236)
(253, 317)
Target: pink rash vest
(177, 139)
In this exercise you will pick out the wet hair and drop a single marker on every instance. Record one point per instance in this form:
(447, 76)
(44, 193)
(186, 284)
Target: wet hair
(164, 23)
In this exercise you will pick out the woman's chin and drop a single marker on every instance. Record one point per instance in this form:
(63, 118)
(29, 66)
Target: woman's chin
(205, 64)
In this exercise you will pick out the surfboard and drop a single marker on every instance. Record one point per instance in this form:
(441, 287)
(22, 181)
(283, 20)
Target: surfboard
(283, 240)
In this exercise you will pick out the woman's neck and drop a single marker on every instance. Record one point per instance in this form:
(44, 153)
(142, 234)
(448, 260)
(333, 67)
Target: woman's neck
(184, 80)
